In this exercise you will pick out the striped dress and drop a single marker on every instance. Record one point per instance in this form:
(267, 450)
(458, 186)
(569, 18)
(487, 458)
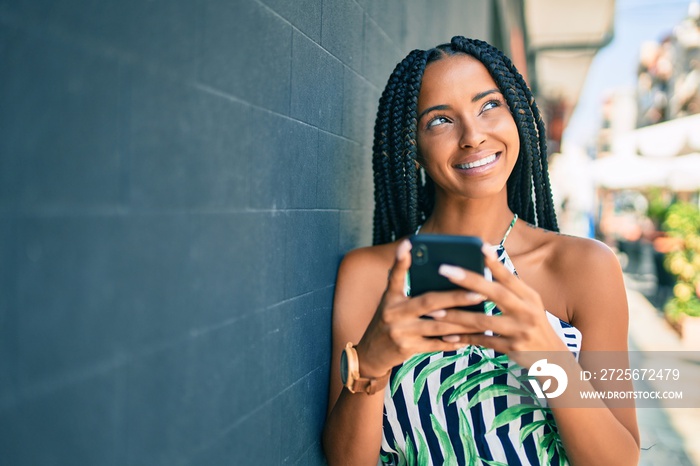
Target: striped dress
(472, 406)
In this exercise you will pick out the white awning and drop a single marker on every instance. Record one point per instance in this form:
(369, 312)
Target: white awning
(565, 35)
(668, 139)
(628, 171)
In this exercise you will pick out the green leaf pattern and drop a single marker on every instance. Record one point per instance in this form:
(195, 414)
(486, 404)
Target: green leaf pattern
(543, 428)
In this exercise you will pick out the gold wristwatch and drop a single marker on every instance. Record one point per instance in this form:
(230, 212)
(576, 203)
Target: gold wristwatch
(350, 373)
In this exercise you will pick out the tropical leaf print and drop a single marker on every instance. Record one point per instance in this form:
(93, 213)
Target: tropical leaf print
(530, 428)
(464, 381)
(493, 391)
(445, 442)
(436, 365)
(489, 306)
(512, 413)
(406, 368)
(468, 444)
(463, 374)
(400, 454)
(468, 384)
(410, 452)
(386, 459)
(423, 456)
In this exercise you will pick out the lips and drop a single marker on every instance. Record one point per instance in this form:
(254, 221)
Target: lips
(478, 162)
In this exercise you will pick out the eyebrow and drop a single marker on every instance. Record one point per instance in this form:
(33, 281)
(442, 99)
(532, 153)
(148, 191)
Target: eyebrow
(430, 109)
(476, 98)
(481, 95)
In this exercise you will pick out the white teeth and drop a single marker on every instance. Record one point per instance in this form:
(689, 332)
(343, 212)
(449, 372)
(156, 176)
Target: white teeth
(478, 163)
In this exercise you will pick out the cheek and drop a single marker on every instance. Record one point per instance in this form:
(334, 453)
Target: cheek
(427, 153)
(508, 127)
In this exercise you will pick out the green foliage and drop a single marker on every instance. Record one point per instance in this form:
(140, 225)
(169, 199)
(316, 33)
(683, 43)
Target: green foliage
(658, 206)
(683, 222)
(682, 219)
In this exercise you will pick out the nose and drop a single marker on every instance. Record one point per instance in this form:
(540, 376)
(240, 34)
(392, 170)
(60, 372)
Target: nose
(472, 134)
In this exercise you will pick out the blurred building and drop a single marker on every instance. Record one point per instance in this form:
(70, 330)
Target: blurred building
(648, 141)
(648, 151)
(563, 37)
(668, 85)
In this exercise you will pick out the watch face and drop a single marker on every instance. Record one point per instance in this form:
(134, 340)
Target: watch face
(344, 367)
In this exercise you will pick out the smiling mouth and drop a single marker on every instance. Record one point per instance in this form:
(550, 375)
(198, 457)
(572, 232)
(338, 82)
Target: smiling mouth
(477, 163)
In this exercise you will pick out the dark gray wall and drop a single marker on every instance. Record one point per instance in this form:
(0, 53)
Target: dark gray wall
(178, 181)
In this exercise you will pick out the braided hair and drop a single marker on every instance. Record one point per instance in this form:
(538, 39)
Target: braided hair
(404, 195)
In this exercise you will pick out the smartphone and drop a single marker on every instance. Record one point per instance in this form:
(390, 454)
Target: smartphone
(429, 252)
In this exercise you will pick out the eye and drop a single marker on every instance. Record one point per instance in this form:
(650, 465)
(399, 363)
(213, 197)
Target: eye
(437, 121)
(490, 104)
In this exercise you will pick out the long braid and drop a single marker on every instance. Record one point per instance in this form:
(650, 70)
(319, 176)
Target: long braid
(548, 201)
(390, 220)
(383, 156)
(405, 196)
(396, 156)
(410, 146)
(381, 197)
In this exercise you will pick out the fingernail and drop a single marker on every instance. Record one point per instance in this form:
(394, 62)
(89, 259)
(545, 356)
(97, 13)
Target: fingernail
(487, 249)
(437, 314)
(451, 338)
(450, 271)
(404, 247)
(478, 297)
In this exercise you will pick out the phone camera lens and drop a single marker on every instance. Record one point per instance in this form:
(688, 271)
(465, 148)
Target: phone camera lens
(420, 254)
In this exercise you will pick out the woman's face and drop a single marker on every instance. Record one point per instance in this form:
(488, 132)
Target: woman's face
(467, 139)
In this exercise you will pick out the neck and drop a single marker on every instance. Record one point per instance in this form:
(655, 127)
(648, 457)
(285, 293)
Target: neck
(486, 218)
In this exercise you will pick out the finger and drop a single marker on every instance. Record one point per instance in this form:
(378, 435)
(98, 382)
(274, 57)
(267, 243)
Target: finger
(494, 291)
(397, 274)
(497, 343)
(502, 275)
(435, 328)
(432, 301)
(431, 344)
(476, 322)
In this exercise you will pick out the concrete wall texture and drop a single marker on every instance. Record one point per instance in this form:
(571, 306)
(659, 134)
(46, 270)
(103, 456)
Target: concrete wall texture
(178, 182)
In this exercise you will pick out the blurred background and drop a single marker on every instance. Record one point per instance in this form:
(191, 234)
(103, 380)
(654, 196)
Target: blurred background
(179, 180)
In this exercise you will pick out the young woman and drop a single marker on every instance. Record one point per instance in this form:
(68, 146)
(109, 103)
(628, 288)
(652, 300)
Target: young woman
(460, 149)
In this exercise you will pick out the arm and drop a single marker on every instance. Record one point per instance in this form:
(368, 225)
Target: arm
(596, 434)
(599, 435)
(352, 434)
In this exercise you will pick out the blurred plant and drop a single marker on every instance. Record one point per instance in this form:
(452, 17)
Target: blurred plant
(683, 222)
(659, 204)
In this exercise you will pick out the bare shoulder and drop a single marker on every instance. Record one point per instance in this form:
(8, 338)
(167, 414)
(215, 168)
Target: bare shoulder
(579, 275)
(568, 256)
(365, 264)
(591, 276)
(362, 278)
(582, 256)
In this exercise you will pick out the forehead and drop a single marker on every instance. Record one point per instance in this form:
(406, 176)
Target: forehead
(453, 76)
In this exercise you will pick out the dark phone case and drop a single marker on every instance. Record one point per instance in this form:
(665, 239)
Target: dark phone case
(431, 251)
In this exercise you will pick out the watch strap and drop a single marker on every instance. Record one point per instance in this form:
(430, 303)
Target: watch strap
(357, 384)
(369, 385)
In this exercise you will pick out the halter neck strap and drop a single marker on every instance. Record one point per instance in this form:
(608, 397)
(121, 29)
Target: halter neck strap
(510, 227)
